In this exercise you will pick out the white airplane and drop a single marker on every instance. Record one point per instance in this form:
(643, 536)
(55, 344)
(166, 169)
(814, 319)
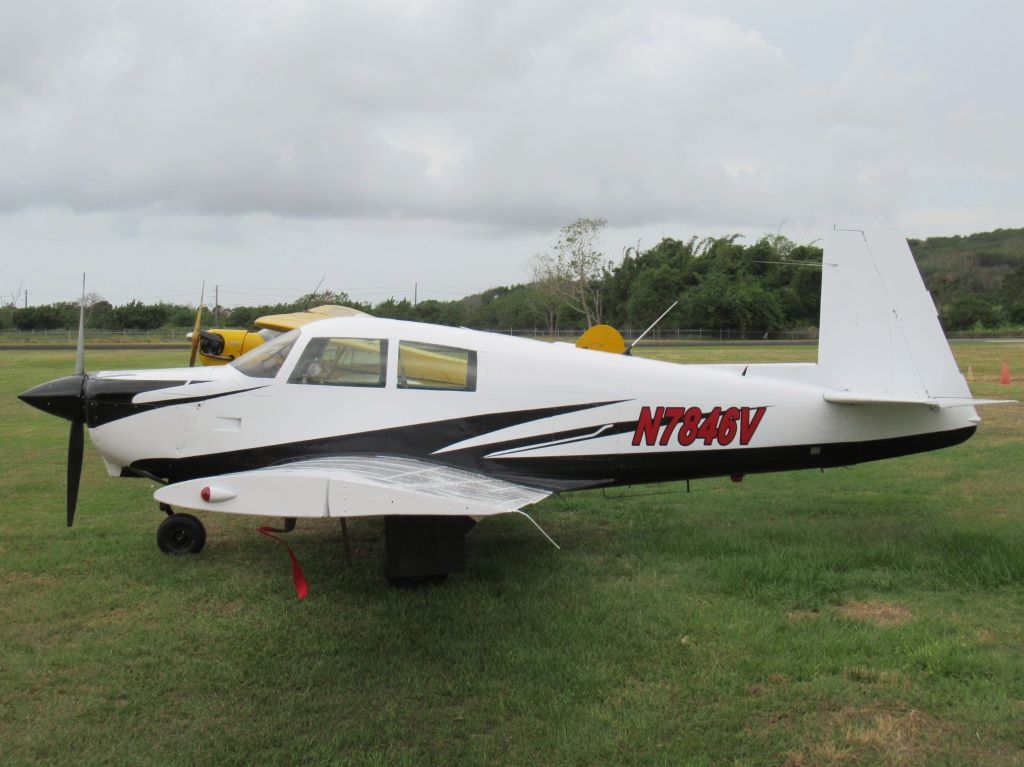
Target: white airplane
(435, 427)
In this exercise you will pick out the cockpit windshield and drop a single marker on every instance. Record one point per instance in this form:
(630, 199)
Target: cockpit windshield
(266, 359)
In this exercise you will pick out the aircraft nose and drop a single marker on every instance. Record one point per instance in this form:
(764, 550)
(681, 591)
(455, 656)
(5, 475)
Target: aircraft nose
(61, 397)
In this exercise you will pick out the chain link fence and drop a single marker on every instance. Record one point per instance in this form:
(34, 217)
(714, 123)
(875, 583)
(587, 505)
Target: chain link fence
(63, 336)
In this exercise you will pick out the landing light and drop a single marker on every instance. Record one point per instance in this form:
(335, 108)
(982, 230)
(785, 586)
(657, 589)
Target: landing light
(215, 494)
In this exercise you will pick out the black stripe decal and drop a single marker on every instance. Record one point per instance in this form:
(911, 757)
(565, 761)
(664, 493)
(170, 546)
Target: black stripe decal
(108, 400)
(418, 440)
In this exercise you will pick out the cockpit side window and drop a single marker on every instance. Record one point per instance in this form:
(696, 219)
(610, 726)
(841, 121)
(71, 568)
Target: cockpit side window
(342, 362)
(430, 366)
(266, 359)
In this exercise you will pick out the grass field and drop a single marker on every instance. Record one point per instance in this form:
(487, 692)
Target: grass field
(865, 616)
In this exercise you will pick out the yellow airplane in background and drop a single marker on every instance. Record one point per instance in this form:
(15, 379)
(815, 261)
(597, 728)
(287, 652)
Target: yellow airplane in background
(219, 346)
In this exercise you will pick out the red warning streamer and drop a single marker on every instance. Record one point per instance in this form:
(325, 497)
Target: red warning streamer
(301, 588)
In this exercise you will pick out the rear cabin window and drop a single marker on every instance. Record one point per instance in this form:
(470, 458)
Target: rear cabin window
(266, 359)
(342, 362)
(429, 366)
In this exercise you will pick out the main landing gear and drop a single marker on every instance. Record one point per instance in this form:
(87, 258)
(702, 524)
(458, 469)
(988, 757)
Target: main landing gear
(180, 533)
(418, 550)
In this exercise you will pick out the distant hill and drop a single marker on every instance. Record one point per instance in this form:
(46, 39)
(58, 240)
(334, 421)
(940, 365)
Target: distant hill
(976, 263)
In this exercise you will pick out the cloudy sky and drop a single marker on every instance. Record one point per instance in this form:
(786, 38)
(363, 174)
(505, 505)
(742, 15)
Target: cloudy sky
(262, 146)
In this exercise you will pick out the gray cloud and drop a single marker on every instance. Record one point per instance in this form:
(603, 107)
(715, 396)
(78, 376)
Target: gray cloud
(515, 117)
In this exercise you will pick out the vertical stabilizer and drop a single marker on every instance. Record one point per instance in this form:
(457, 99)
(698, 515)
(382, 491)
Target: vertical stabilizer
(879, 331)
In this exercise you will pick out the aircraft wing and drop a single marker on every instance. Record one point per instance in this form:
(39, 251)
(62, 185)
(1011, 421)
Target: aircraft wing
(352, 486)
(285, 322)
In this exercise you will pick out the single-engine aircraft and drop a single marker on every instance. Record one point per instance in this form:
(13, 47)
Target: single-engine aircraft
(219, 346)
(435, 427)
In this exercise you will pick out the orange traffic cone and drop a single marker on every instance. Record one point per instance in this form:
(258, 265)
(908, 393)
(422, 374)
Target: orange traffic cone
(970, 374)
(1004, 375)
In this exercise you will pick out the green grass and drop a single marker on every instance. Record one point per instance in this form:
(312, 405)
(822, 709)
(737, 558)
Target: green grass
(863, 616)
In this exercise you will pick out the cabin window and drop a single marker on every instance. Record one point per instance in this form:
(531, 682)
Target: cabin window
(266, 359)
(342, 362)
(429, 366)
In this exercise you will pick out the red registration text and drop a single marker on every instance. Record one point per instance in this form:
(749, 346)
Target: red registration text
(687, 425)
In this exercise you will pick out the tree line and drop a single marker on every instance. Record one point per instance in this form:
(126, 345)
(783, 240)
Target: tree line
(771, 284)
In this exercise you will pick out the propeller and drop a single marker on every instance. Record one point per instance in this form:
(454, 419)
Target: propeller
(196, 332)
(76, 437)
(65, 397)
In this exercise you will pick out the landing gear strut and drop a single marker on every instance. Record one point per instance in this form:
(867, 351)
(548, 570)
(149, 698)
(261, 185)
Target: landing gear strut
(181, 534)
(424, 549)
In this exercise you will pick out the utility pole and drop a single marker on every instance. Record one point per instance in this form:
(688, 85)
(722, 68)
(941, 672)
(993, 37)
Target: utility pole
(415, 293)
(216, 304)
(26, 299)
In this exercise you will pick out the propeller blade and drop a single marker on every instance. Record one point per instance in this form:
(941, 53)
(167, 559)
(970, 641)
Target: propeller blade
(80, 349)
(76, 437)
(76, 447)
(196, 334)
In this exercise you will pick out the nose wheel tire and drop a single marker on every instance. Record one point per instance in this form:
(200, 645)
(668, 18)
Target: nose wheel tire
(181, 534)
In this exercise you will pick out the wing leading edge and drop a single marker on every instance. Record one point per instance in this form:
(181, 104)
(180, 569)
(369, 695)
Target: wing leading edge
(352, 486)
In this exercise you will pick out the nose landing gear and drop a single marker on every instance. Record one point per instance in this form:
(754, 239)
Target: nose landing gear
(180, 533)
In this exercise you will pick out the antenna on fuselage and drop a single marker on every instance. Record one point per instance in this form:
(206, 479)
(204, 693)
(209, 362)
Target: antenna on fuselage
(629, 349)
(811, 264)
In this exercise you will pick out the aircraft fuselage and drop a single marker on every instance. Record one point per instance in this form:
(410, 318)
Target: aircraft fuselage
(548, 415)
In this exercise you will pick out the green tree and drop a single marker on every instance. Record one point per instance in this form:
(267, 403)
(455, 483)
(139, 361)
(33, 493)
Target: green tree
(395, 309)
(967, 310)
(98, 314)
(574, 270)
(652, 293)
(47, 316)
(136, 315)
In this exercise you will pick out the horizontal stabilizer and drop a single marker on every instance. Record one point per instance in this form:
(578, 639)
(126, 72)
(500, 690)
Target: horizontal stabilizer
(856, 398)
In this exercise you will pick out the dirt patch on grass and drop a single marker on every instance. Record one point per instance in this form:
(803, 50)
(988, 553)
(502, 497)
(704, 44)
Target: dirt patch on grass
(875, 613)
(887, 733)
